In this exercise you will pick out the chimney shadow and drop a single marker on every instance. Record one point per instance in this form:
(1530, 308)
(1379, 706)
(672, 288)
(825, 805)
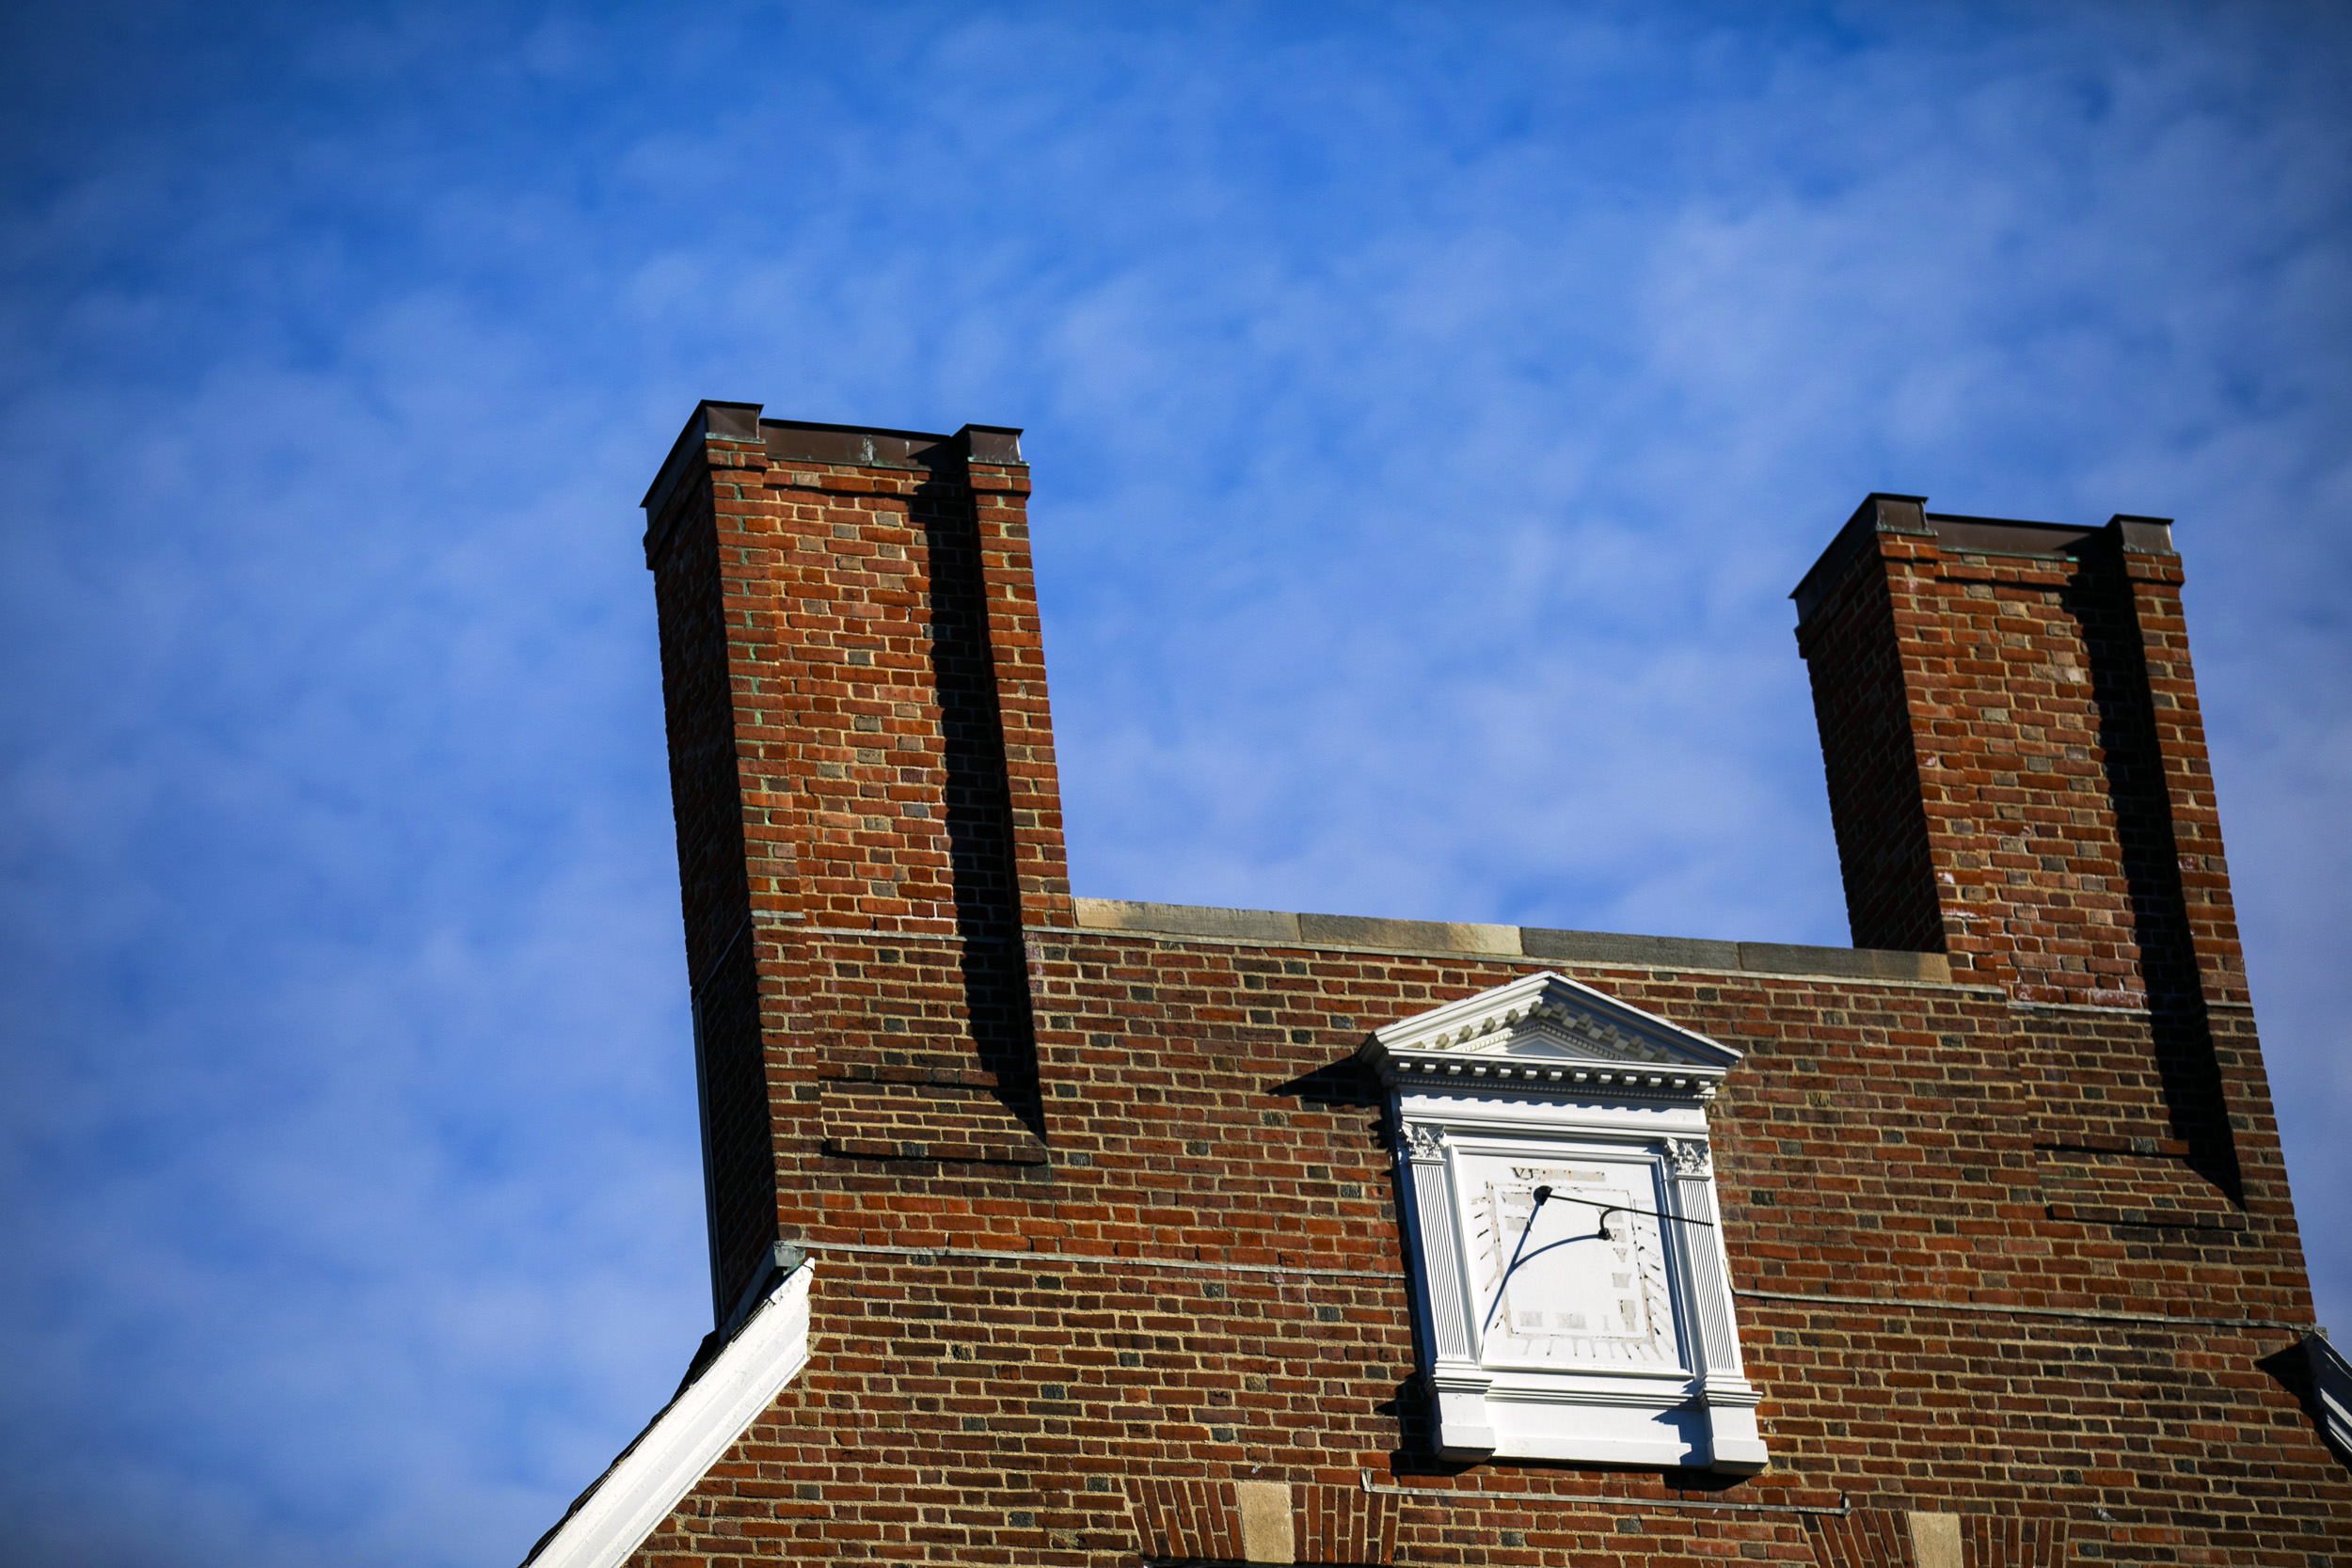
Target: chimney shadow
(979, 835)
(2099, 599)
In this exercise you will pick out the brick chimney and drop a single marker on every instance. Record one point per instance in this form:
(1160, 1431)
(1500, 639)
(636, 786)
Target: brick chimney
(859, 747)
(2017, 768)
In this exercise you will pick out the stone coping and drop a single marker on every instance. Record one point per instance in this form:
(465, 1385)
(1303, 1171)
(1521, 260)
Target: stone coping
(1506, 941)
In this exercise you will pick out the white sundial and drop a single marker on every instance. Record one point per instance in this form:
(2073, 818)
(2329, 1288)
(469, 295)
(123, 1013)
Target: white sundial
(1579, 1277)
(1571, 1280)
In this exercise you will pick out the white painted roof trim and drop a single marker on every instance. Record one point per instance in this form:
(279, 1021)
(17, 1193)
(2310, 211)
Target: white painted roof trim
(689, 1437)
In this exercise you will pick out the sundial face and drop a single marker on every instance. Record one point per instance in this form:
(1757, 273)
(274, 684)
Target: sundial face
(1551, 1288)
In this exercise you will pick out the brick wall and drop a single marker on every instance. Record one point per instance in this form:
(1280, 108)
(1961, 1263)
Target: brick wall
(2021, 693)
(693, 596)
(1103, 1211)
(1204, 1287)
(860, 738)
(1870, 743)
(2033, 681)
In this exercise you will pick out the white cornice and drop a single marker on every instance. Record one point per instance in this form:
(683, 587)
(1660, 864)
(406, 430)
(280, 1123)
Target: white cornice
(608, 1525)
(1545, 1033)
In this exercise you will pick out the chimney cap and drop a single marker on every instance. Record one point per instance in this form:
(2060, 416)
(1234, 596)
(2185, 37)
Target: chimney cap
(808, 441)
(740, 421)
(1881, 510)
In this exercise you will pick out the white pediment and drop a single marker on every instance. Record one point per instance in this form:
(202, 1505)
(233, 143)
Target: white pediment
(1546, 1030)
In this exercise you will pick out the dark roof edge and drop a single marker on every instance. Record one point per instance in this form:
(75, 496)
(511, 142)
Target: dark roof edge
(1965, 535)
(809, 441)
(2331, 1392)
(1882, 512)
(873, 447)
(740, 421)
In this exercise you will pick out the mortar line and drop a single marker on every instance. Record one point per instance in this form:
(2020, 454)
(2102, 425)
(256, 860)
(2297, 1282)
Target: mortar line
(1993, 1310)
(1430, 1494)
(948, 1254)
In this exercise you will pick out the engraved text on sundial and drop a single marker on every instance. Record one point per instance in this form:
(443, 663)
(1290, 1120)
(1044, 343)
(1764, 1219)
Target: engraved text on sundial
(1586, 1282)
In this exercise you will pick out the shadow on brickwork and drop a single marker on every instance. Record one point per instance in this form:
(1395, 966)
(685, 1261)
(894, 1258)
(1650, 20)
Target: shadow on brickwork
(1416, 1451)
(1345, 1081)
(2099, 598)
(738, 1152)
(1345, 1084)
(1416, 1417)
(979, 836)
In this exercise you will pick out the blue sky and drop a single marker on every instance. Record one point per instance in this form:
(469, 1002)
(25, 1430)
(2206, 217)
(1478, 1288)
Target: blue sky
(1431, 406)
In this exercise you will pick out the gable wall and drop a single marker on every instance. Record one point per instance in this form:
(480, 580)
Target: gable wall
(1210, 1287)
(1105, 1220)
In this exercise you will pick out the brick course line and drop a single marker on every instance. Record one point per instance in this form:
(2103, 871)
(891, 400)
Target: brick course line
(1584, 1499)
(948, 1255)
(1938, 1304)
(1255, 944)
(1184, 939)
